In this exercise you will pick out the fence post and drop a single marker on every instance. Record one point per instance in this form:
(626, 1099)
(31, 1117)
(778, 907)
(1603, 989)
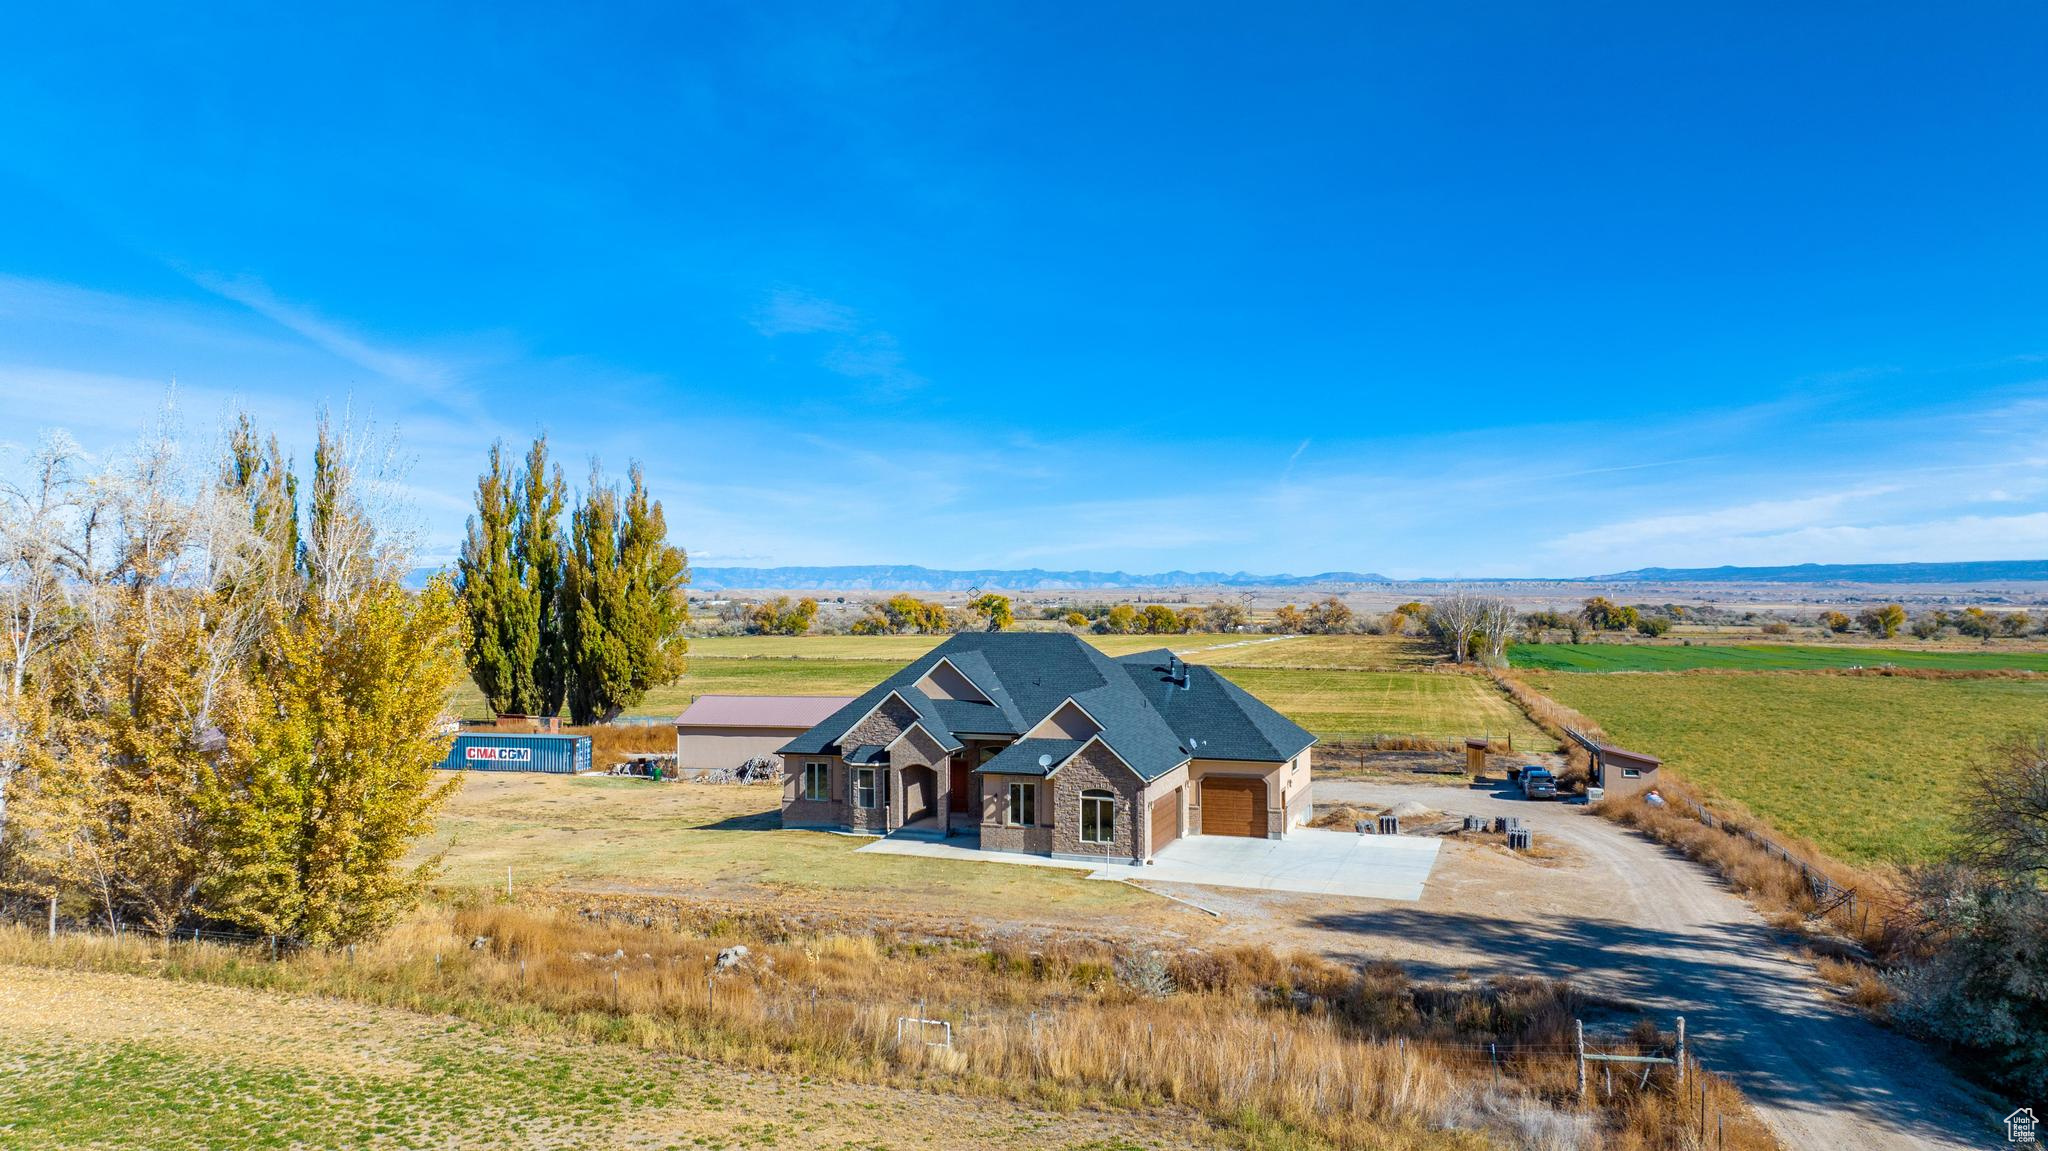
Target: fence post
(1579, 1030)
(1681, 1049)
(53, 919)
(508, 881)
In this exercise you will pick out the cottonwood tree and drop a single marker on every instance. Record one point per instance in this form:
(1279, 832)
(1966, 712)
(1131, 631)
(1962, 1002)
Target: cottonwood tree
(240, 722)
(1495, 622)
(1328, 617)
(1452, 619)
(42, 524)
(779, 616)
(1978, 932)
(1883, 621)
(995, 608)
(1224, 616)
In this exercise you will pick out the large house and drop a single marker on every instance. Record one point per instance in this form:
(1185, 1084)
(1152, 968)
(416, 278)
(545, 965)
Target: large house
(1037, 742)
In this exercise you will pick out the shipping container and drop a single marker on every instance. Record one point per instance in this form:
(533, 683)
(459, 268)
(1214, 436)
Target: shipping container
(504, 751)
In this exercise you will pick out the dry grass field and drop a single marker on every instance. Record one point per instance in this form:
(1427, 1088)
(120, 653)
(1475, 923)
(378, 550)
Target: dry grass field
(494, 1024)
(94, 1059)
(1867, 766)
(726, 841)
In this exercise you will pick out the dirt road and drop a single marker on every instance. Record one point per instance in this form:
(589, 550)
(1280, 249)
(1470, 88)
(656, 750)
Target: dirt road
(1627, 918)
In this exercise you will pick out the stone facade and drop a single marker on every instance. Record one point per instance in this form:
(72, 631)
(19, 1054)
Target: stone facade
(1095, 767)
(890, 719)
(998, 833)
(890, 725)
(919, 772)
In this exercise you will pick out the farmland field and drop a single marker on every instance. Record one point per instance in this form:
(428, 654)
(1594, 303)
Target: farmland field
(1342, 703)
(1866, 766)
(1765, 657)
(1363, 652)
(1320, 681)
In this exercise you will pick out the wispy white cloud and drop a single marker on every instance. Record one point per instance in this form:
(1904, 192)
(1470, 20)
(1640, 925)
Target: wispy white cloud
(860, 350)
(791, 311)
(439, 376)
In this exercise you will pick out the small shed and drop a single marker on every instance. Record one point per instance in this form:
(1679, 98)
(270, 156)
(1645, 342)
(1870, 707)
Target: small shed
(1619, 772)
(519, 751)
(1475, 755)
(724, 731)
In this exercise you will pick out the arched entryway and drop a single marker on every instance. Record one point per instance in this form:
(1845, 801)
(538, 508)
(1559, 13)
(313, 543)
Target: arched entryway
(920, 793)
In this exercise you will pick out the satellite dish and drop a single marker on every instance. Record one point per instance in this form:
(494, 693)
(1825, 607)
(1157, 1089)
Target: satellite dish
(1045, 760)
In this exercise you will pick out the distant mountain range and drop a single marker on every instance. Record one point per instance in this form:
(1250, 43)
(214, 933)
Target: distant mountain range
(913, 578)
(1978, 571)
(888, 577)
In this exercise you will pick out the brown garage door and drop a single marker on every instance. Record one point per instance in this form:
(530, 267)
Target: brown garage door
(1165, 819)
(1234, 807)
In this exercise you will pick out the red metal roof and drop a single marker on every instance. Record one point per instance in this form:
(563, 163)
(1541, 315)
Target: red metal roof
(800, 712)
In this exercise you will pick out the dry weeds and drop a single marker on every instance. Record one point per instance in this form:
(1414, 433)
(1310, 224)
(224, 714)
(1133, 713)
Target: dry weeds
(1285, 1050)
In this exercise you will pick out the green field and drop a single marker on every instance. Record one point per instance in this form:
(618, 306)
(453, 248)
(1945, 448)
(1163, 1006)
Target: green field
(1333, 685)
(1351, 703)
(1764, 657)
(1866, 766)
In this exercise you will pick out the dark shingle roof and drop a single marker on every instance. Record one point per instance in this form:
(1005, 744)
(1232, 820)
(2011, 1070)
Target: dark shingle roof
(867, 754)
(1021, 757)
(1150, 723)
(1227, 721)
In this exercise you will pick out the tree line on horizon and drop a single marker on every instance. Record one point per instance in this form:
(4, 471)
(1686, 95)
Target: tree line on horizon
(589, 618)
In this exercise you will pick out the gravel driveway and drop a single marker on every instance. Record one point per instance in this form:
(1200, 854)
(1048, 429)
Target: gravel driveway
(1636, 921)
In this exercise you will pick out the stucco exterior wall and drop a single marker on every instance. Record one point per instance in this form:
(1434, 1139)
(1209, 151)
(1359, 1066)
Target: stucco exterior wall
(1615, 785)
(1094, 768)
(711, 748)
(1288, 798)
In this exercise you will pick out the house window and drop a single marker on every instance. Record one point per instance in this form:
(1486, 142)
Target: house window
(1023, 804)
(817, 781)
(1098, 817)
(1630, 773)
(864, 787)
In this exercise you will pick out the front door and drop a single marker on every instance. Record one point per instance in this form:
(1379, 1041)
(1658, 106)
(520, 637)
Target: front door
(958, 784)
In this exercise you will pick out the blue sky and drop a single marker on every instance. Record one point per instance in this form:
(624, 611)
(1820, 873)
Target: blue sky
(1423, 289)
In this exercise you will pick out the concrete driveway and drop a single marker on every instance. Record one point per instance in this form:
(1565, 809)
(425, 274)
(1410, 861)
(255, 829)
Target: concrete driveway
(1310, 860)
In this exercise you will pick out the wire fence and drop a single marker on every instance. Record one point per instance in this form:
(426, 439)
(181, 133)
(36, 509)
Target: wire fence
(1852, 907)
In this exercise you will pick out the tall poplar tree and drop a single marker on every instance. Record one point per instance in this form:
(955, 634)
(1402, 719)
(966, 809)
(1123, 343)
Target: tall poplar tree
(487, 577)
(537, 543)
(624, 600)
(510, 576)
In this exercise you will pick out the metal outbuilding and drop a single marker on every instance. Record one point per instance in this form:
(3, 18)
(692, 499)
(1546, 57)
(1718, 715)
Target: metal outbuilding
(720, 732)
(509, 751)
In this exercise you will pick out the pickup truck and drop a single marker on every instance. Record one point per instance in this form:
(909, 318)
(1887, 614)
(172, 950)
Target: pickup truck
(1538, 783)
